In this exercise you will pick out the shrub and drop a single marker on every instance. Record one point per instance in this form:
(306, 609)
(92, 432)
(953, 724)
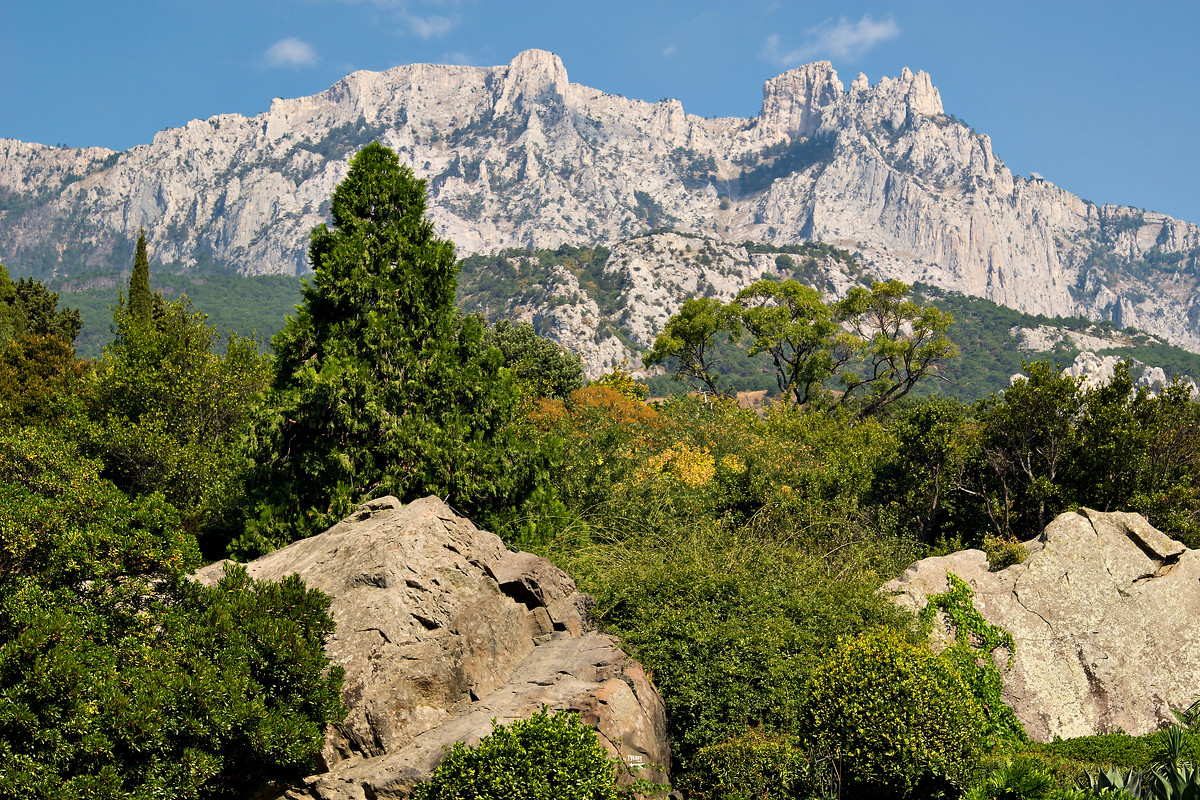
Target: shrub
(546, 756)
(1015, 779)
(755, 766)
(119, 678)
(901, 718)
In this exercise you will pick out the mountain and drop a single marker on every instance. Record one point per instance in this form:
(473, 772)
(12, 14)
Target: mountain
(517, 156)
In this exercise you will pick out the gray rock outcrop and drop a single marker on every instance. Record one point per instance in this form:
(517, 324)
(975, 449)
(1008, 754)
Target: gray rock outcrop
(1105, 618)
(441, 630)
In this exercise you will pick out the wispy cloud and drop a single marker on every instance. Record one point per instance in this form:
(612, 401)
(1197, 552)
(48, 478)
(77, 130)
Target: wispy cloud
(424, 26)
(290, 52)
(430, 27)
(460, 58)
(669, 51)
(841, 39)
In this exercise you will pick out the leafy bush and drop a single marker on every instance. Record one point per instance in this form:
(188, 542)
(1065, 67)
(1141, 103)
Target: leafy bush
(755, 766)
(120, 679)
(550, 756)
(901, 718)
(166, 413)
(730, 625)
(543, 367)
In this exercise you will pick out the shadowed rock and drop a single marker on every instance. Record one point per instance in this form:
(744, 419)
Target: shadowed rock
(441, 630)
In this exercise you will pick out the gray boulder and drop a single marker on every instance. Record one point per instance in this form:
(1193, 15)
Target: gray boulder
(441, 630)
(1105, 618)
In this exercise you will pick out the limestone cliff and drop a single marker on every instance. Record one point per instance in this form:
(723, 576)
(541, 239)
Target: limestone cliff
(516, 155)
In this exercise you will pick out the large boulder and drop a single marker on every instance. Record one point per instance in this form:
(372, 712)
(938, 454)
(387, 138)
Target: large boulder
(1105, 618)
(441, 629)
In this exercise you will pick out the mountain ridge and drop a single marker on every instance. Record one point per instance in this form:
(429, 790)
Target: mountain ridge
(518, 156)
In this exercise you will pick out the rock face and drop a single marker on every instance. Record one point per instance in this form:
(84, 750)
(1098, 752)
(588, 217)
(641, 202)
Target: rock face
(441, 630)
(1103, 615)
(518, 156)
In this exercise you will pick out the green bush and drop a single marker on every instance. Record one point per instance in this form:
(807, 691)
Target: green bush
(901, 718)
(546, 757)
(729, 625)
(755, 766)
(1015, 779)
(119, 678)
(1119, 749)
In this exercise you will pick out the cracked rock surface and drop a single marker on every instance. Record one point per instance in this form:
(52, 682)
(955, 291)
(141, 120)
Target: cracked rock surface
(1105, 618)
(441, 630)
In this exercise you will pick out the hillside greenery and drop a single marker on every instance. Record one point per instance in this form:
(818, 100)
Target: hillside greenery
(737, 553)
(257, 307)
(245, 306)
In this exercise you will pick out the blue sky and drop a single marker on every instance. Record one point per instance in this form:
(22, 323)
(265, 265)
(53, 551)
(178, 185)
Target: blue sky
(1100, 97)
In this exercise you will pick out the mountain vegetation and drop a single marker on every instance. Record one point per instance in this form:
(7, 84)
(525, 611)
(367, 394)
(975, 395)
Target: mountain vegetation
(736, 553)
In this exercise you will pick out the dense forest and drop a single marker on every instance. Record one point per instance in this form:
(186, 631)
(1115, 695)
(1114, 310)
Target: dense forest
(737, 554)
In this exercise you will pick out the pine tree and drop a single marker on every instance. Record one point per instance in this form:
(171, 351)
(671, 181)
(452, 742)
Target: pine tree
(381, 387)
(141, 299)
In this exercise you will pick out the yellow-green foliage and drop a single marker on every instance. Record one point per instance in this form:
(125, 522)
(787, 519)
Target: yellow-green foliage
(975, 642)
(755, 766)
(546, 756)
(901, 718)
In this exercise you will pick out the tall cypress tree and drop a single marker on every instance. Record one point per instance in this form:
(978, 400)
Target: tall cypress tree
(141, 299)
(381, 387)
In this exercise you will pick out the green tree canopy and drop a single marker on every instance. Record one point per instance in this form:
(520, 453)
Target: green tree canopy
(166, 413)
(898, 343)
(381, 386)
(37, 353)
(545, 368)
(690, 337)
(28, 308)
(878, 344)
(118, 678)
(141, 298)
(789, 321)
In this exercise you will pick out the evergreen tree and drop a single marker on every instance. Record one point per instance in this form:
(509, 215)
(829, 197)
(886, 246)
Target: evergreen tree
(381, 387)
(141, 299)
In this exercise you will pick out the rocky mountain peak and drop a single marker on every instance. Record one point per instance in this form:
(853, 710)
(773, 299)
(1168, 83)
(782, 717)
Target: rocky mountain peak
(795, 102)
(895, 102)
(533, 77)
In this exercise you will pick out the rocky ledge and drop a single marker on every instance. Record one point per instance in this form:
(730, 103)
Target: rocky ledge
(441, 629)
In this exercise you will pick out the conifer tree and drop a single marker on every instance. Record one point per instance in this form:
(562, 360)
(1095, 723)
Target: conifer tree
(381, 387)
(141, 299)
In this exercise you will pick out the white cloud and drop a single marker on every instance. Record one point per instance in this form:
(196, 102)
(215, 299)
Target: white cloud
(291, 52)
(430, 27)
(669, 51)
(842, 39)
(460, 58)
